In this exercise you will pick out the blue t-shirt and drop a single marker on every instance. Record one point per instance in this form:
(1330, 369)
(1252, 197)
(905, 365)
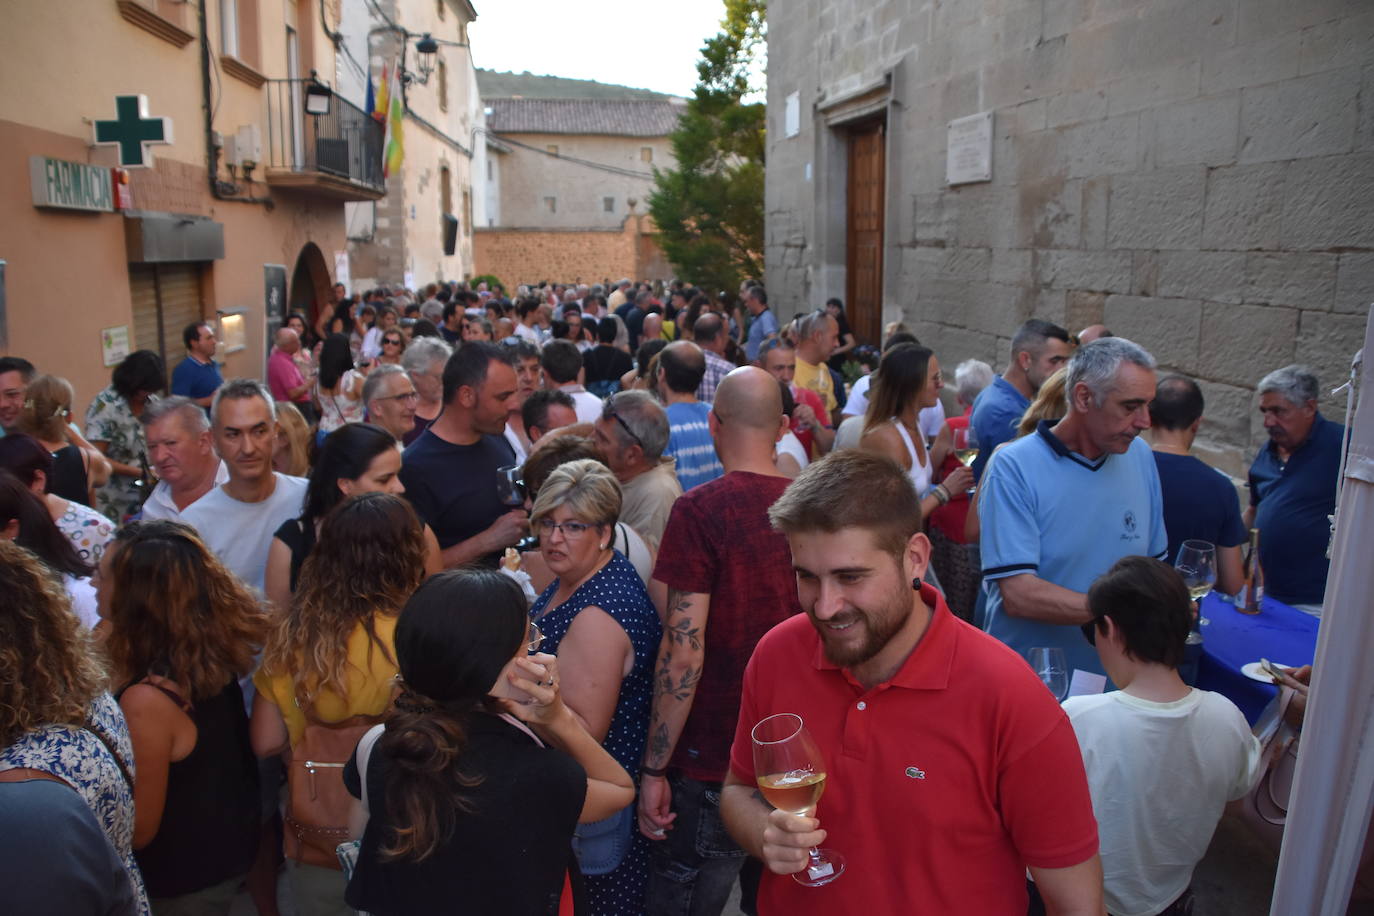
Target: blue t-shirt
(194, 379)
(689, 441)
(759, 330)
(996, 411)
(1050, 512)
(1292, 503)
(1199, 503)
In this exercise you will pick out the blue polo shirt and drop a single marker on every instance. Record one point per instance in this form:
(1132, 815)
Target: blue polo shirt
(1050, 512)
(1292, 501)
(759, 330)
(690, 442)
(996, 411)
(1200, 503)
(194, 379)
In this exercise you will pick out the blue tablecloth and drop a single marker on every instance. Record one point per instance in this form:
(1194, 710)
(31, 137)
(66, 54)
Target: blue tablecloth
(1284, 635)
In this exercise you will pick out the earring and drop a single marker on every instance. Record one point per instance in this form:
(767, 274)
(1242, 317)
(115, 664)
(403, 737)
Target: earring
(916, 584)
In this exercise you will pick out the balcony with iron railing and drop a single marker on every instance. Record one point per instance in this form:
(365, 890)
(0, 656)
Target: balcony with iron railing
(336, 154)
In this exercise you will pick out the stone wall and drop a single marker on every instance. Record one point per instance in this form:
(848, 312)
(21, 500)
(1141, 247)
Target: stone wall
(530, 179)
(570, 255)
(1197, 174)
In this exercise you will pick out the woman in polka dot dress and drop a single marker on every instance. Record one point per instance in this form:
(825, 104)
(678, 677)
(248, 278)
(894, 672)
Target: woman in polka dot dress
(598, 619)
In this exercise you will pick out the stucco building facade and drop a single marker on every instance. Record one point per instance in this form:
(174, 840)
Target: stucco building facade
(422, 231)
(1198, 175)
(235, 220)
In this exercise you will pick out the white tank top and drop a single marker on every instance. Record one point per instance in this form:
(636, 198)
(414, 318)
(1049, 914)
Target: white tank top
(918, 472)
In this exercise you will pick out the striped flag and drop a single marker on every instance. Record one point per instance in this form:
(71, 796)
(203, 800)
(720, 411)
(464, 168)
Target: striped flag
(392, 150)
(379, 112)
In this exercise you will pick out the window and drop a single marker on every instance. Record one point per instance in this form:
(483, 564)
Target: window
(646, 154)
(443, 85)
(229, 27)
(467, 212)
(608, 204)
(442, 11)
(445, 190)
(551, 204)
(552, 149)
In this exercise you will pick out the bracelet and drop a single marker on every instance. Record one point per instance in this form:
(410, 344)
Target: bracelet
(940, 493)
(646, 770)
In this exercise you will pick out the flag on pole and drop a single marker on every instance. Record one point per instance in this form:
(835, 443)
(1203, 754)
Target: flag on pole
(371, 105)
(392, 151)
(379, 112)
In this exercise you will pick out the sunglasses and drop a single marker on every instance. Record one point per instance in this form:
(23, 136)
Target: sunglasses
(1090, 631)
(390, 342)
(610, 412)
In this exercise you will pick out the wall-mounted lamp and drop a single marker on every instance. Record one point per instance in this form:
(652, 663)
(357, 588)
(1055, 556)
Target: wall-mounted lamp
(317, 96)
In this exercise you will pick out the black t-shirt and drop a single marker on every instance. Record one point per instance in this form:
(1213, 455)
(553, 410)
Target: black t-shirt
(508, 853)
(837, 361)
(604, 363)
(453, 487)
(299, 538)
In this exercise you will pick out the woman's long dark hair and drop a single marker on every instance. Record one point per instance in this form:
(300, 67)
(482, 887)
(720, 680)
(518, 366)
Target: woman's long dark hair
(25, 456)
(345, 454)
(37, 531)
(901, 376)
(335, 359)
(141, 371)
(455, 635)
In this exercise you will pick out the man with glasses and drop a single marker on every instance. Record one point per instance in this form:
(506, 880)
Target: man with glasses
(632, 433)
(390, 398)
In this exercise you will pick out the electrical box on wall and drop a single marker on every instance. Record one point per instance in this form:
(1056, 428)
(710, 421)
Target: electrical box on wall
(247, 145)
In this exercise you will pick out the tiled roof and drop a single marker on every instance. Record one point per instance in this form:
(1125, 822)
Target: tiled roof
(623, 118)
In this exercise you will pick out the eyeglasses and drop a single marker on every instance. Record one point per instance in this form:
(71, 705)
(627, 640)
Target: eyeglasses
(1090, 631)
(534, 638)
(572, 531)
(610, 412)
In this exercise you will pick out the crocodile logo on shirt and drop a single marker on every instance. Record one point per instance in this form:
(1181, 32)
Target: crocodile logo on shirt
(915, 773)
(1129, 522)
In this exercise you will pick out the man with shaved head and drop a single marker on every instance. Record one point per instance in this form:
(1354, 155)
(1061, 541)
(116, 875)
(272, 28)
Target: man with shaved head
(725, 577)
(284, 376)
(680, 368)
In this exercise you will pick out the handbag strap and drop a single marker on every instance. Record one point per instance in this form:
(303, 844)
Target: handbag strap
(510, 719)
(109, 746)
(364, 754)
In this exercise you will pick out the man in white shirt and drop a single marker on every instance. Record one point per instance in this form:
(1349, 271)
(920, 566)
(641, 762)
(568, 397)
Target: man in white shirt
(237, 520)
(182, 454)
(1162, 758)
(562, 363)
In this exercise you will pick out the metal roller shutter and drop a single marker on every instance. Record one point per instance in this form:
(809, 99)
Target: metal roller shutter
(166, 298)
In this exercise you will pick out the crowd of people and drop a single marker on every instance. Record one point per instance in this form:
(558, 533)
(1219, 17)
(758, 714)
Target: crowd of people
(477, 601)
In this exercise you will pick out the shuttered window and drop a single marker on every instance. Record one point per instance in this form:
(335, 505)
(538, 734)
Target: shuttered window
(166, 299)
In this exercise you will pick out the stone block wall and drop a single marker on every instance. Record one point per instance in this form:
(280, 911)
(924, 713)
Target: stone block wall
(569, 255)
(1197, 174)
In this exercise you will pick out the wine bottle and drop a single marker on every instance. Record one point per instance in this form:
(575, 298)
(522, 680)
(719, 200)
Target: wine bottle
(1254, 577)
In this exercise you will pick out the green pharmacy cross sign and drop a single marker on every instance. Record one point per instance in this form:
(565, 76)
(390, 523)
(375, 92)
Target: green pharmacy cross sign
(132, 130)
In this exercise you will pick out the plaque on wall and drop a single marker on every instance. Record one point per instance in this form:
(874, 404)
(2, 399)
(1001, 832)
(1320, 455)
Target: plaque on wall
(274, 304)
(968, 156)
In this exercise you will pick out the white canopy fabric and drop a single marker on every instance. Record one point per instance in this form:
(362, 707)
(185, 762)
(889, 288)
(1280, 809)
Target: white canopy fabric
(1333, 792)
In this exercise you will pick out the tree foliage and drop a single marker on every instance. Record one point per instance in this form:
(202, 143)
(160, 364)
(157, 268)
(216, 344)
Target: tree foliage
(709, 208)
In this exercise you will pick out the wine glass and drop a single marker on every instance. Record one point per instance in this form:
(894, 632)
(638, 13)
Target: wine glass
(1197, 564)
(966, 445)
(1048, 663)
(791, 776)
(510, 489)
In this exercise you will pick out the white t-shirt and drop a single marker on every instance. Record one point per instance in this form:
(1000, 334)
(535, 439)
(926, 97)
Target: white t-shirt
(161, 505)
(1160, 776)
(83, 598)
(928, 421)
(587, 404)
(516, 445)
(240, 533)
(789, 444)
(530, 333)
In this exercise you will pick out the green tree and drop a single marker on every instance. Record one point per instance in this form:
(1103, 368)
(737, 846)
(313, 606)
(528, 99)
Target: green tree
(709, 209)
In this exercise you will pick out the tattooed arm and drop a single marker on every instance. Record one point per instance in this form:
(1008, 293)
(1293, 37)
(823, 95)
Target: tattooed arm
(681, 657)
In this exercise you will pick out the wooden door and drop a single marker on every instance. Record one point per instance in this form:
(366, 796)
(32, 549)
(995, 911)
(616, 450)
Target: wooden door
(864, 232)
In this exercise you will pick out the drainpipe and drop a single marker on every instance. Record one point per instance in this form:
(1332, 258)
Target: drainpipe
(219, 190)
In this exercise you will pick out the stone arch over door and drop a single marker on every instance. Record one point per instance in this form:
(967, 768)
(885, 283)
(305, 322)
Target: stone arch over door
(310, 284)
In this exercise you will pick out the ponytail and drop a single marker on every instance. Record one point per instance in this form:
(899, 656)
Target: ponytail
(423, 741)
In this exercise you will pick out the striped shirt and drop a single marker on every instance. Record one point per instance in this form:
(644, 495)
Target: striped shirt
(690, 443)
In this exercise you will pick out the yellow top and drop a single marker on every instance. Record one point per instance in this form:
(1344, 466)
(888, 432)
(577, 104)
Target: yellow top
(817, 379)
(368, 679)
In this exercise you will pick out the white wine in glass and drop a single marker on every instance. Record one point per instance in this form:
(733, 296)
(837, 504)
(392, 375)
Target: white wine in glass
(791, 776)
(1197, 564)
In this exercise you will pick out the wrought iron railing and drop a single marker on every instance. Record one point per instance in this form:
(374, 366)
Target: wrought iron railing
(344, 142)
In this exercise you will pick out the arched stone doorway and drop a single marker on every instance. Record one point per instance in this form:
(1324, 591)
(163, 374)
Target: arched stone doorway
(310, 284)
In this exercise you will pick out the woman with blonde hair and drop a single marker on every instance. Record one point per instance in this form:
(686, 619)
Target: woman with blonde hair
(909, 380)
(182, 630)
(57, 720)
(77, 466)
(330, 662)
(292, 454)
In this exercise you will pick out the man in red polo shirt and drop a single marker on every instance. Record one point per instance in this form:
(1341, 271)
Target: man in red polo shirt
(727, 577)
(950, 770)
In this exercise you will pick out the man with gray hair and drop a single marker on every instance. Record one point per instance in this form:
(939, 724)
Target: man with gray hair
(238, 518)
(1293, 487)
(424, 360)
(180, 450)
(1058, 507)
(390, 399)
(632, 433)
